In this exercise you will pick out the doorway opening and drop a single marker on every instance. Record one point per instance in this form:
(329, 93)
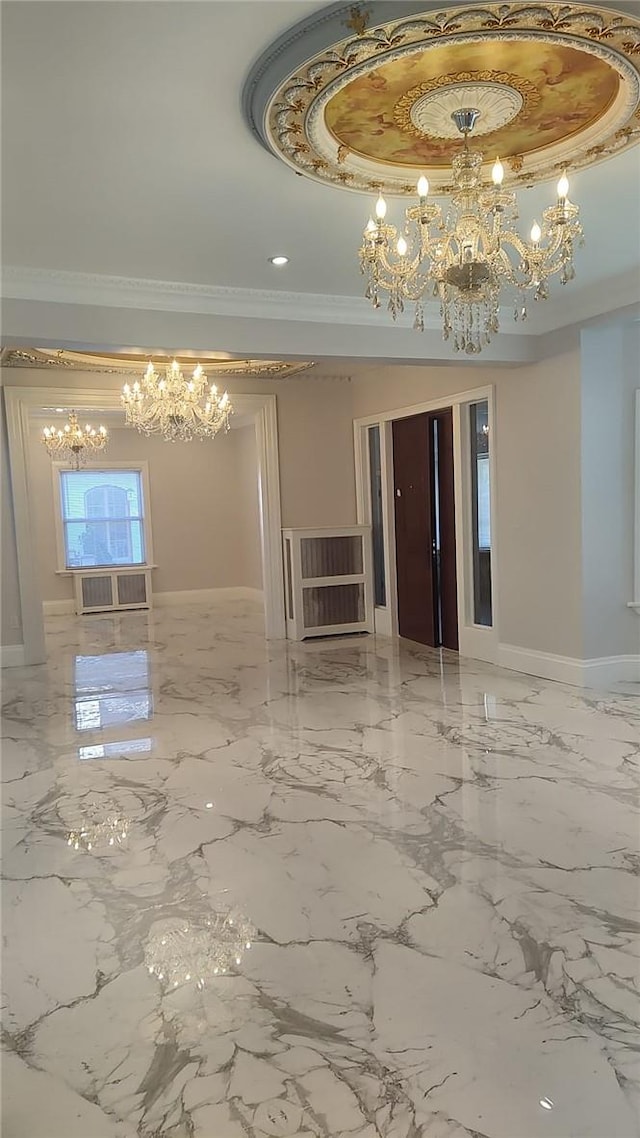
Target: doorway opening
(22, 404)
(424, 501)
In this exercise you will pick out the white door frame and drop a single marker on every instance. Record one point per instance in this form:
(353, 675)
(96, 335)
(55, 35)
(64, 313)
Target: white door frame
(23, 402)
(474, 640)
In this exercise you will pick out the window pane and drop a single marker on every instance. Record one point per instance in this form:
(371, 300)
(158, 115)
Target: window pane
(91, 544)
(375, 473)
(102, 517)
(481, 513)
(484, 500)
(90, 493)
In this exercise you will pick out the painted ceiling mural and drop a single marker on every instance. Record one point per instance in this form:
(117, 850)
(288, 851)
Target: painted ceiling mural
(557, 86)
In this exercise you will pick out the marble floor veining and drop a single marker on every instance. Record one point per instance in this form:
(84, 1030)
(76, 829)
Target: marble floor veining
(333, 889)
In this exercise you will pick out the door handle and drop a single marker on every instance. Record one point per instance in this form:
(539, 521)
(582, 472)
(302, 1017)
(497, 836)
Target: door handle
(398, 492)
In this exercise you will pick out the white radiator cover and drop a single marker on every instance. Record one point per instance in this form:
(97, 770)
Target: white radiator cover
(328, 581)
(109, 590)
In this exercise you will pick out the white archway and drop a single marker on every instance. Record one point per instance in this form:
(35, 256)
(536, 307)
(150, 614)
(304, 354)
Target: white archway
(24, 402)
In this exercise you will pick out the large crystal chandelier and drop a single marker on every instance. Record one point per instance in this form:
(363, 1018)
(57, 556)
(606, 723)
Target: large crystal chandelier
(73, 443)
(179, 409)
(466, 259)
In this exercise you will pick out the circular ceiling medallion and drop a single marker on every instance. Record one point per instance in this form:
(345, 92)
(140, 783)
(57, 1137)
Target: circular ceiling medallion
(557, 87)
(427, 110)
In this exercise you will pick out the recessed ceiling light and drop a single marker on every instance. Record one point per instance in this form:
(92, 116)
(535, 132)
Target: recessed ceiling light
(59, 410)
(279, 260)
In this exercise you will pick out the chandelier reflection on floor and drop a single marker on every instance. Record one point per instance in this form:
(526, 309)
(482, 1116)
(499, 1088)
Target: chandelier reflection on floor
(182, 951)
(465, 259)
(177, 408)
(73, 443)
(103, 826)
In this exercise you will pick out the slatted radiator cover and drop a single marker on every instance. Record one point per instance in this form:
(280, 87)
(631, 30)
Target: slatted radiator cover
(97, 592)
(110, 591)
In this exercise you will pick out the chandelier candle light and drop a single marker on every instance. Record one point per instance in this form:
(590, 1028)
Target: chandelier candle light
(73, 443)
(465, 259)
(177, 408)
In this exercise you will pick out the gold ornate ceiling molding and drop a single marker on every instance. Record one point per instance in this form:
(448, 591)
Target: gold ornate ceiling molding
(129, 364)
(558, 87)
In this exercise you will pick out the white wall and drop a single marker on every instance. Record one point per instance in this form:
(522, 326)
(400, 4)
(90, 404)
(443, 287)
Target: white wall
(204, 516)
(538, 484)
(317, 476)
(610, 378)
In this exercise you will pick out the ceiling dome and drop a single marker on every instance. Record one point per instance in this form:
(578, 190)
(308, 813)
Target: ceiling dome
(359, 100)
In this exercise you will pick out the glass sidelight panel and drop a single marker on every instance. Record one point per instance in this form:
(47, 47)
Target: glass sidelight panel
(481, 512)
(377, 524)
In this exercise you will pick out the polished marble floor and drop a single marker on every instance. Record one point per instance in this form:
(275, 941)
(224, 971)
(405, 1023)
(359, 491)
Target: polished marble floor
(343, 888)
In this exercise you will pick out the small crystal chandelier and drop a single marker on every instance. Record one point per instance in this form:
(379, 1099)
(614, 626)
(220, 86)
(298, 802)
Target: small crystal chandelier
(177, 408)
(73, 443)
(466, 259)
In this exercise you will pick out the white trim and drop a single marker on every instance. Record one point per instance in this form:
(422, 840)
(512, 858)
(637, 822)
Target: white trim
(475, 395)
(93, 289)
(270, 514)
(12, 656)
(59, 608)
(59, 286)
(17, 408)
(206, 596)
(173, 597)
(22, 402)
(599, 672)
(635, 604)
(385, 616)
(474, 641)
(141, 466)
(389, 623)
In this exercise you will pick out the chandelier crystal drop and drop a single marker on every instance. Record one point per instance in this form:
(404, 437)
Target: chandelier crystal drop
(72, 443)
(466, 259)
(179, 409)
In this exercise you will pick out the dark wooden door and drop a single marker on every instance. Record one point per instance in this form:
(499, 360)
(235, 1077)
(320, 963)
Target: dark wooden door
(414, 538)
(425, 528)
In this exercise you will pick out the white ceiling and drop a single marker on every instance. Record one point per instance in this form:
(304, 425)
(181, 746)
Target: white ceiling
(124, 153)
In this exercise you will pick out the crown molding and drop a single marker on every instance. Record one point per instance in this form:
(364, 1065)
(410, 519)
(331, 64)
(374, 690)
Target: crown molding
(87, 290)
(59, 286)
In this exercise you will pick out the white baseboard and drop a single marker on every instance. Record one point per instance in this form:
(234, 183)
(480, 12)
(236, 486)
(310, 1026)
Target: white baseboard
(601, 672)
(179, 597)
(58, 608)
(12, 656)
(200, 596)
(610, 670)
